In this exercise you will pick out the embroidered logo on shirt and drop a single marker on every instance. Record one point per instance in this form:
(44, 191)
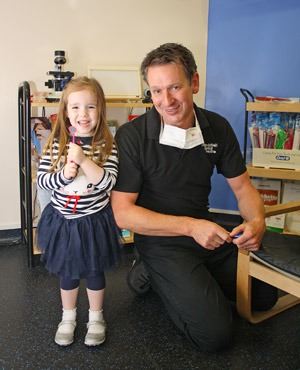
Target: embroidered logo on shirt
(210, 148)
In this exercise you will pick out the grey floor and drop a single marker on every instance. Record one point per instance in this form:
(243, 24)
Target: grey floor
(140, 334)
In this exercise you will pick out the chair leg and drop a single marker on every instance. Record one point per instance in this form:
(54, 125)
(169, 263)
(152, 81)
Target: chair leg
(244, 284)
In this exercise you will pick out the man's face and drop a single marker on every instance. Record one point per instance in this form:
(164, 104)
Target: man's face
(172, 94)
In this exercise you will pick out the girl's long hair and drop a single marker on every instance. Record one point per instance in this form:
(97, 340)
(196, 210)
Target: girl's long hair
(102, 138)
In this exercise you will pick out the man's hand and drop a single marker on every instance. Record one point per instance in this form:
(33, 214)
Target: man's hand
(209, 234)
(251, 236)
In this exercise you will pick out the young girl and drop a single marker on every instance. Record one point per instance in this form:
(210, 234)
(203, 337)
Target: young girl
(77, 233)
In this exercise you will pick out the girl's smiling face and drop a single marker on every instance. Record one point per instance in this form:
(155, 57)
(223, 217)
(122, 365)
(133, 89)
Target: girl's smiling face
(82, 111)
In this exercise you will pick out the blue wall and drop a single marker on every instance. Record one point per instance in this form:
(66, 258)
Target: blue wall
(253, 44)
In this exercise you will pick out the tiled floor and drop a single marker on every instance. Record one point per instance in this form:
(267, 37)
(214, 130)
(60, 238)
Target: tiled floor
(140, 334)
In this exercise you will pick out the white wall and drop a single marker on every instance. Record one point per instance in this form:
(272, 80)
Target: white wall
(92, 32)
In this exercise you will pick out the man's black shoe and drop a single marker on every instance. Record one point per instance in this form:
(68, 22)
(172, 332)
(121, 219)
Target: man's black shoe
(138, 277)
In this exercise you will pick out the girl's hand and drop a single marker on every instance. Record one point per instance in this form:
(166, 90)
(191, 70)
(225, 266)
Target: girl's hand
(76, 154)
(70, 170)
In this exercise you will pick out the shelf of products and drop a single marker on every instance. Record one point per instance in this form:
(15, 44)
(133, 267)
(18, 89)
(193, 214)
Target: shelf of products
(27, 172)
(270, 172)
(269, 106)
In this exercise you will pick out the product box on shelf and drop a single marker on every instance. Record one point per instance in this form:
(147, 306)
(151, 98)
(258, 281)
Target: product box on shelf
(127, 235)
(291, 192)
(276, 158)
(41, 128)
(270, 191)
(275, 140)
(112, 124)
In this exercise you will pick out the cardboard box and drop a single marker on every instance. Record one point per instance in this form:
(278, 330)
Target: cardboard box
(291, 191)
(270, 191)
(112, 124)
(127, 236)
(275, 148)
(276, 158)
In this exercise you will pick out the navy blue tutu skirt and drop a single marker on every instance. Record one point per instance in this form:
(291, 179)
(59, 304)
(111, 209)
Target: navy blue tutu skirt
(80, 247)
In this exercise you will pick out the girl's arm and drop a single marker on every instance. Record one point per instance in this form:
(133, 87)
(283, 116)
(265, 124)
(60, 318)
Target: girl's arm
(103, 177)
(50, 180)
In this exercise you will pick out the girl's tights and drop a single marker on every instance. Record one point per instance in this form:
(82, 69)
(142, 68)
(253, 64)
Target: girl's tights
(95, 290)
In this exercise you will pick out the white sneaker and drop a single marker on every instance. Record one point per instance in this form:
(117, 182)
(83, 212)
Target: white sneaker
(65, 332)
(96, 333)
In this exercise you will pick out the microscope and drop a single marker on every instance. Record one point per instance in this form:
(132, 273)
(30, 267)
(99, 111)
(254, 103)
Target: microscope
(60, 77)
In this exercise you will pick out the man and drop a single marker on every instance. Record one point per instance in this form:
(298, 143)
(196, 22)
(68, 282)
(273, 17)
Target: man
(167, 157)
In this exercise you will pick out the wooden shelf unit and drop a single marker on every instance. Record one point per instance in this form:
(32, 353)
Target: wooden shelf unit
(272, 106)
(273, 173)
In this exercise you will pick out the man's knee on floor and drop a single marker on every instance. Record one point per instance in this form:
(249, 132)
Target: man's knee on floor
(216, 339)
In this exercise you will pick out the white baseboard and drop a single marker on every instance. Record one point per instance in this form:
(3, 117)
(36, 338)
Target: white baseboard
(225, 211)
(9, 227)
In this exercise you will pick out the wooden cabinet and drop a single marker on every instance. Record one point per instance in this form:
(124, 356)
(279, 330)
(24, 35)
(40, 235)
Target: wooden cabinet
(26, 173)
